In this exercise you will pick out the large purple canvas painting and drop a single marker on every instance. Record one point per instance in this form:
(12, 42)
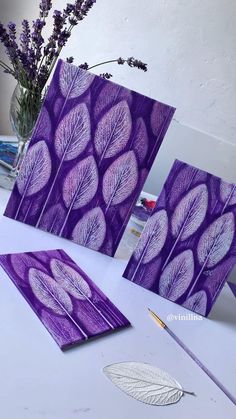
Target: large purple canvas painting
(68, 303)
(188, 246)
(92, 148)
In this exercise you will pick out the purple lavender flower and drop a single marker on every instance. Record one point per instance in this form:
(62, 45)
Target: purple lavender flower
(45, 6)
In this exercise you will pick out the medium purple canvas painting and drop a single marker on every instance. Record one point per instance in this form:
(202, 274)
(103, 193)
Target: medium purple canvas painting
(68, 303)
(188, 246)
(92, 148)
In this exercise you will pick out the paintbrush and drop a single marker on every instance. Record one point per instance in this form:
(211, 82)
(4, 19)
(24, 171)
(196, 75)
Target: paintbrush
(194, 357)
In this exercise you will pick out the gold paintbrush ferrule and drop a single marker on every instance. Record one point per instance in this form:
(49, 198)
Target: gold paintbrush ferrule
(157, 319)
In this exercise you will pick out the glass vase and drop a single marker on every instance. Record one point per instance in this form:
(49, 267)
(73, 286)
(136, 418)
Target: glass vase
(24, 109)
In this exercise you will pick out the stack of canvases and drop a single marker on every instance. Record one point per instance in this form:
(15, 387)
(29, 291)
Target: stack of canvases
(92, 148)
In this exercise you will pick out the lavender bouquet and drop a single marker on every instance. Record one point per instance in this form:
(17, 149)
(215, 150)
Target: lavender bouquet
(32, 59)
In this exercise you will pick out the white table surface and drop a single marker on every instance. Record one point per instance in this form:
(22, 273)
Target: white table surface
(39, 381)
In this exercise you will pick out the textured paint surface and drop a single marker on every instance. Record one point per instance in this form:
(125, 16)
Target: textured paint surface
(68, 303)
(187, 248)
(90, 154)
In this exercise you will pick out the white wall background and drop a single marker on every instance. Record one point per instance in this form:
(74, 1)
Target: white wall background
(190, 48)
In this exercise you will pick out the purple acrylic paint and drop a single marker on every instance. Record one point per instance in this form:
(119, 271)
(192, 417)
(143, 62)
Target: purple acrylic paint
(188, 246)
(92, 148)
(65, 299)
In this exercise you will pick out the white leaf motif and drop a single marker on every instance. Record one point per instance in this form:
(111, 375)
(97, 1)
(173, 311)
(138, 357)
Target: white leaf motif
(228, 193)
(73, 133)
(111, 93)
(120, 179)
(35, 170)
(153, 237)
(90, 231)
(216, 240)
(70, 279)
(190, 212)
(80, 184)
(158, 117)
(113, 131)
(197, 302)
(49, 293)
(145, 383)
(140, 144)
(74, 81)
(177, 276)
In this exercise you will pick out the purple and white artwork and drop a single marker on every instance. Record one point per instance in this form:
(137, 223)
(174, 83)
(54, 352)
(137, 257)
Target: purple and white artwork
(92, 148)
(68, 303)
(188, 246)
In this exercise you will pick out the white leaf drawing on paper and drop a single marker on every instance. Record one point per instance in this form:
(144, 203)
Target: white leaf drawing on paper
(70, 280)
(113, 131)
(140, 142)
(188, 215)
(214, 243)
(90, 231)
(120, 179)
(185, 178)
(80, 186)
(177, 276)
(197, 302)
(51, 295)
(63, 331)
(74, 81)
(73, 133)
(109, 94)
(152, 239)
(157, 117)
(35, 171)
(81, 183)
(71, 138)
(190, 212)
(73, 282)
(227, 193)
(145, 383)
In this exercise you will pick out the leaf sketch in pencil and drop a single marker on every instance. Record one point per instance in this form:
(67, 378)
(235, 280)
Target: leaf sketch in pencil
(80, 184)
(111, 94)
(177, 276)
(73, 133)
(120, 179)
(197, 302)
(49, 293)
(62, 329)
(70, 280)
(35, 170)
(90, 231)
(186, 177)
(228, 193)
(216, 240)
(145, 383)
(74, 81)
(140, 141)
(190, 213)
(113, 131)
(158, 117)
(53, 219)
(153, 237)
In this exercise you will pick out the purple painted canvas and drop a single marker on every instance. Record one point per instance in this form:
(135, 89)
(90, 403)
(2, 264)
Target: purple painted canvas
(92, 148)
(188, 246)
(68, 303)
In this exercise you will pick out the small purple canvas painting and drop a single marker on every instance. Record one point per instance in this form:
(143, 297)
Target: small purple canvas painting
(68, 303)
(91, 151)
(188, 246)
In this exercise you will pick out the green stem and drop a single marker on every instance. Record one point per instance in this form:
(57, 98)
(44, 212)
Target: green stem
(102, 63)
(6, 67)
